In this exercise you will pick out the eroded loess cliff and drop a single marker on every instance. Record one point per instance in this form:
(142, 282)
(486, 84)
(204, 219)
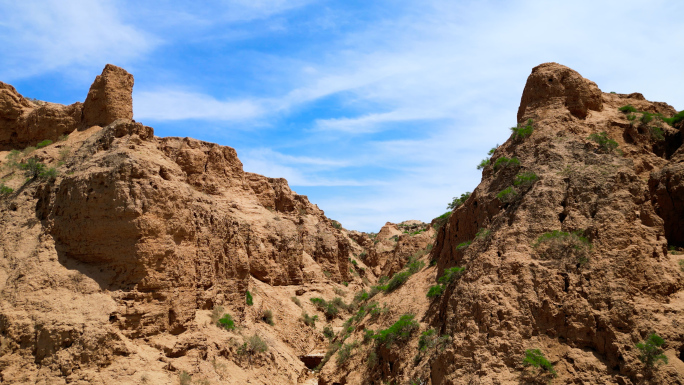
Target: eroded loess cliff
(110, 269)
(568, 245)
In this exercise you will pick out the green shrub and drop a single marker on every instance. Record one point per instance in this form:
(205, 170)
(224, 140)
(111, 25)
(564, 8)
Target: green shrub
(657, 133)
(520, 132)
(360, 296)
(458, 201)
(44, 143)
(646, 117)
(320, 303)
(255, 344)
(336, 224)
(681, 265)
(463, 245)
(535, 358)
(339, 291)
(328, 332)
(506, 162)
(631, 117)
(561, 245)
(345, 352)
(484, 163)
(605, 143)
(227, 322)
(267, 316)
(32, 168)
(435, 291)
(675, 119)
(525, 179)
(482, 234)
(331, 310)
(372, 359)
(296, 301)
(426, 339)
(50, 173)
(399, 331)
(4, 190)
(308, 320)
(415, 266)
(338, 302)
(397, 280)
(248, 298)
(627, 108)
(650, 352)
(507, 195)
(441, 220)
(450, 274)
(63, 138)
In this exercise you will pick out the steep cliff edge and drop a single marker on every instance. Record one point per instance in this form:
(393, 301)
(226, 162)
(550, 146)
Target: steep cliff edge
(111, 265)
(566, 246)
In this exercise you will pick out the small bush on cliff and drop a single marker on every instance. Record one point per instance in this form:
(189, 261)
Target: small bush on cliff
(296, 301)
(560, 245)
(267, 316)
(44, 143)
(227, 322)
(627, 108)
(4, 190)
(399, 331)
(606, 144)
(507, 195)
(435, 291)
(506, 162)
(675, 119)
(248, 298)
(309, 320)
(463, 245)
(657, 133)
(397, 280)
(521, 132)
(441, 220)
(484, 163)
(336, 224)
(253, 345)
(450, 274)
(525, 179)
(328, 332)
(429, 339)
(458, 201)
(32, 168)
(345, 352)
(184, 378)
(650, 352)
(535, 358)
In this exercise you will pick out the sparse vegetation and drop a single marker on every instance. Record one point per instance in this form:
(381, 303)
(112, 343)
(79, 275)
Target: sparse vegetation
(525, 179)
(506, 162)
(227, 322)
(606, 144)
(44, 143)
(675, 119)
(336, 224)
(482, 234)
(296, 301)
(435, 291)
(253, 345)
(484, 163)
(248, 298)
(650, 352)
(4, 190)
(441, 220)
(463, 245)
(32, 168)
(458, 201)
(507, 195)
(399, 331)
(681, 265)
(360, 296)
(521, 131)
(627, 108)
(429, 339)
(344, 352)
(184, 378)
(309, 320)
(267, 316)
(328, 332)
(450, 274)
(561, 245)
(657, 133)
(536, 359)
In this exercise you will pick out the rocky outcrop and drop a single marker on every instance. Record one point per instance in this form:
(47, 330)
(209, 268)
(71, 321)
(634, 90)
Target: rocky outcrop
(552, 86)
(110, 97)
(25, 122)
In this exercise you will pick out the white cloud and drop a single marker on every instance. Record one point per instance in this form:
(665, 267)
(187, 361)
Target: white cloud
(41, 36)
(173, 104)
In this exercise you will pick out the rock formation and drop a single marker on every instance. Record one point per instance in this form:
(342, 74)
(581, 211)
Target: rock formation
(116, 267)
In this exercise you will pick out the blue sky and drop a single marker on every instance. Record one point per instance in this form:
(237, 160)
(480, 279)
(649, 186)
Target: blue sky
(377, 110)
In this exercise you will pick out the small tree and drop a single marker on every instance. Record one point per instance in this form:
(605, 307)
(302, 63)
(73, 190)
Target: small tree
(650, 352)
(248, 298)
(32, 168)
(535, 358)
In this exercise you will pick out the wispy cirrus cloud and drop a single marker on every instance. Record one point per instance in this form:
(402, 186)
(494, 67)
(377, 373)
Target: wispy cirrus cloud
(173, 104)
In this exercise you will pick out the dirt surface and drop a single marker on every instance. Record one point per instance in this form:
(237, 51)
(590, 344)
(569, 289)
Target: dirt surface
(116, 267)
